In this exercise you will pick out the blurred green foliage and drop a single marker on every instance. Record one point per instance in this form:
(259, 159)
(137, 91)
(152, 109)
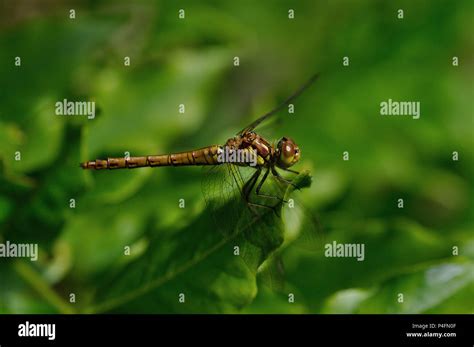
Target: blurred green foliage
(190, 61)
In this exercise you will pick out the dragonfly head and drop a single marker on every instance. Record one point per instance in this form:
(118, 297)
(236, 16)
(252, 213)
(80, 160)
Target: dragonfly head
(287, 153)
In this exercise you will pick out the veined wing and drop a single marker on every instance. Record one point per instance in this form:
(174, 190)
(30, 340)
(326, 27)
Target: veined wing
(302, 229)
(257, 232)
(297, 93)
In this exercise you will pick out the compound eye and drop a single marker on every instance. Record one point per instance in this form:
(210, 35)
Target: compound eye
(287, 153)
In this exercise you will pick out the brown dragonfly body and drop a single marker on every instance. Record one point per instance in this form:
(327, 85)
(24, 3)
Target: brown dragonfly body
(267, 156)
(249, 141)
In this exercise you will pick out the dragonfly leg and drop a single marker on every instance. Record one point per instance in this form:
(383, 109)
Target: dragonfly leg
(259, 186)
(248, 186)
(256, 205)
(282, 179)
(292, 171)
(247, 190)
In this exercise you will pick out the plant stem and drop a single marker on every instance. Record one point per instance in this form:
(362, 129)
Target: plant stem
(43, 288)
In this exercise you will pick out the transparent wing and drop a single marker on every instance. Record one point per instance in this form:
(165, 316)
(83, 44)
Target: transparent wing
(303, 227)
(272, 273)
(277, 109)
(222, 194)
(256, 230)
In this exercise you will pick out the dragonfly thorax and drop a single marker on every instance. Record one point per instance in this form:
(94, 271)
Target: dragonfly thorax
(254, 144)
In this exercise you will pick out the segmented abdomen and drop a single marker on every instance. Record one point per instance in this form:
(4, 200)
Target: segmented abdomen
(202, 156)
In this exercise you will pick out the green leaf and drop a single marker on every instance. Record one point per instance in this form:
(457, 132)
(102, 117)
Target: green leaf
(345, 301)
(391, 247)
(423, 289)
(197, 261)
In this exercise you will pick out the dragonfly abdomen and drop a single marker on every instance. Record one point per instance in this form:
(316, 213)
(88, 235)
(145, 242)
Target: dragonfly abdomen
(202, 156)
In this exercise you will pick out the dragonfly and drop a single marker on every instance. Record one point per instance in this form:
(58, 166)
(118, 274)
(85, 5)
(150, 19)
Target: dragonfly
(234, 184)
